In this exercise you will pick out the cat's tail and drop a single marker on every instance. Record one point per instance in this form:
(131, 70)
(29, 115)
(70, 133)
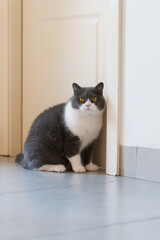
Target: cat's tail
(19, 158)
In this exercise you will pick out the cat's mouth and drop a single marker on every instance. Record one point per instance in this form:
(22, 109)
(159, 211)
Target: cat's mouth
(87, 109)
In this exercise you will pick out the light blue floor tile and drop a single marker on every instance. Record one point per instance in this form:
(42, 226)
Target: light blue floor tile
(39, 205)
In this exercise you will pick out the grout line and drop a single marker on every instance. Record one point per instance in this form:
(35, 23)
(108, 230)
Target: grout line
(130, 222)
(96, 227)
(52, 188)
(139, 179)
(36, 190)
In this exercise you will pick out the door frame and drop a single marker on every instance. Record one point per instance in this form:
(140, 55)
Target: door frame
(10, 46)
(113, 83)
(14, 39)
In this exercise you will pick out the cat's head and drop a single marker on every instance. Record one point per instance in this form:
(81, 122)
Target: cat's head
(88, 100)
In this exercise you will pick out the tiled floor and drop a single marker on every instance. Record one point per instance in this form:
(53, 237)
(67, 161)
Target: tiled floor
(65, 206)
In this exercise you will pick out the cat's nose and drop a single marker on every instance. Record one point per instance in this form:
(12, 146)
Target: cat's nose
(88, 105)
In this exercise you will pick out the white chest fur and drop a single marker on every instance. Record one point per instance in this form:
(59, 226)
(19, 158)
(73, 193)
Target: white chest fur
(84, 125)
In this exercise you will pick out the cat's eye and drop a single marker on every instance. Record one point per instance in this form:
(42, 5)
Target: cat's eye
(94, 99)
(81, 99)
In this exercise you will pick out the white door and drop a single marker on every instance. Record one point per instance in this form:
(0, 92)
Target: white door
(64, 42)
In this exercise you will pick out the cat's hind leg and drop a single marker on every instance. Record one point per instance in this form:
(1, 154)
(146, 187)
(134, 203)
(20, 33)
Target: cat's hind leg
(54, 163)
(52, 168)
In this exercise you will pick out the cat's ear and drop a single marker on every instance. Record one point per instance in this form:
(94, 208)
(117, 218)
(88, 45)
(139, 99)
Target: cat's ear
(100, 86)
(75, 87)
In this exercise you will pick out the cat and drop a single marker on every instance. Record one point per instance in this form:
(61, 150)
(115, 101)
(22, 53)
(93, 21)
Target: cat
(62, 138)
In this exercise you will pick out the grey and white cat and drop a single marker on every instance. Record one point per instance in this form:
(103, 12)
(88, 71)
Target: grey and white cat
(63, 136)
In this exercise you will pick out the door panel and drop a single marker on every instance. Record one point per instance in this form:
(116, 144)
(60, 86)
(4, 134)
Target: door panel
(70, 56)
(64, 41)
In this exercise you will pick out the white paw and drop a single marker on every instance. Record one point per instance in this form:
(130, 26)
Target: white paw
(79, 169)
(91, 167)
(53, 168)
(60, 168)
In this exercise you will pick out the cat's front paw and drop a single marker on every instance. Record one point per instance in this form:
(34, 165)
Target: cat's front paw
(91, 167)
(79, 169)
